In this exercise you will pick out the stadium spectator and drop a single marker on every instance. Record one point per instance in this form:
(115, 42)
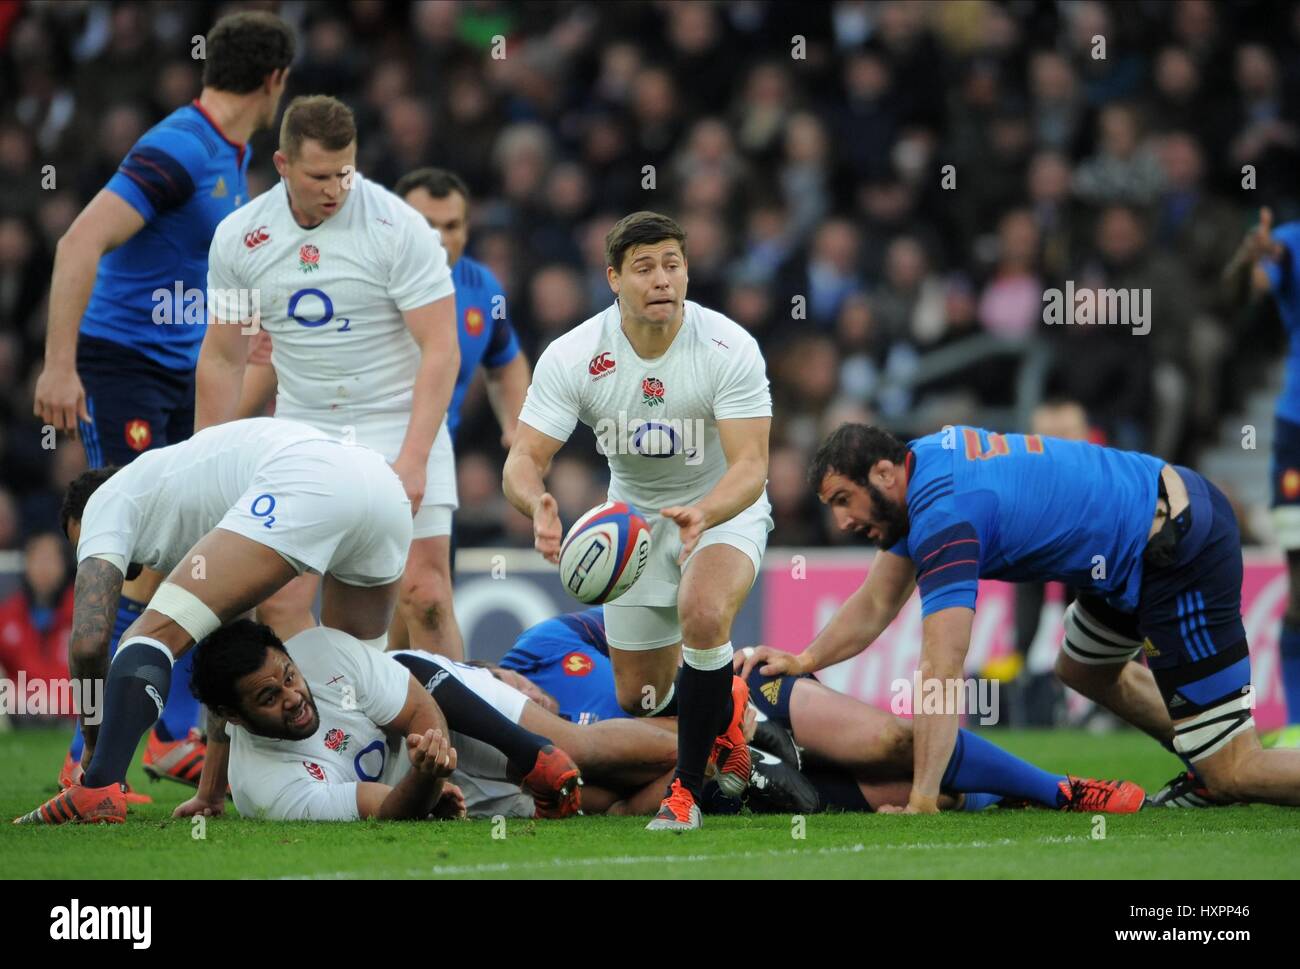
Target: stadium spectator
(36, 619)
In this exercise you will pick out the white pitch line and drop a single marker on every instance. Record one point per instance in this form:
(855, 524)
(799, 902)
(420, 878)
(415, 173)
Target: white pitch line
(616, 860)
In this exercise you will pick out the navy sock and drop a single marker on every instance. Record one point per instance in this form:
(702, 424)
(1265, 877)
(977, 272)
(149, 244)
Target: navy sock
(978, 765)
(128, 611)
(470, 714)
(134, 695)
(1290, 650)
(978, 801)
(703, 710)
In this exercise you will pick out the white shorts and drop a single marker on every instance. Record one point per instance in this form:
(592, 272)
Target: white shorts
(384, 433)
(645, 617)
(330, 508)
(481, 769)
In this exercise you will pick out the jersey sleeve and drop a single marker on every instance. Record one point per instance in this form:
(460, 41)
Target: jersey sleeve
(552, 403)
(419, 274)
(304, 799)
(1282, 275)
(503, 346)
(946, 554)
(159, 173)
(108, 528)
(743, 389)
(224, 302)
(380, 682)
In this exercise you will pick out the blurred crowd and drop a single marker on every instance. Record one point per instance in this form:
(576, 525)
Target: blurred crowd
(804, 148)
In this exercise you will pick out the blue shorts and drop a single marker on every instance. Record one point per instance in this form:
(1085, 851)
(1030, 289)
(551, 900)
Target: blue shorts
(771, 695)
(1189, 611)
(1285, 467)
(135, 404)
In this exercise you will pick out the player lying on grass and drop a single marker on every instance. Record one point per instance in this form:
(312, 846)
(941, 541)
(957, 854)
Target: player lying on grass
(230, 516)
(856, 756)
(312, 720)
(1153, 551)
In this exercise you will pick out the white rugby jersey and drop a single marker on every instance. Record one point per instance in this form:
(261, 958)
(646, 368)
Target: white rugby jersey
(357, 691)
(332, 297)
(656, 421)
(156, 508)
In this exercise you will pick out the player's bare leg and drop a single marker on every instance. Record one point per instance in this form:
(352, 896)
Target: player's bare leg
(1127, 690)
(426, 599)
(288, 611)
(361, 611)
(643, 678)
(1244, 771)
(837, 728)
(621, 753)
(711, 700)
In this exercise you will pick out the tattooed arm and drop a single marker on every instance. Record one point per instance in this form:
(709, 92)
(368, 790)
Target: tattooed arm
(99, 585)
(210, 799)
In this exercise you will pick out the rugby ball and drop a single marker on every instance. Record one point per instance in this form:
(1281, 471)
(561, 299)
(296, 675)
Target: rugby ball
(604, 552)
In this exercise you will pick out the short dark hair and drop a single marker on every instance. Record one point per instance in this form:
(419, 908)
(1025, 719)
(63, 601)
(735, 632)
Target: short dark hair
(318, 117)
(226, 656)
(852, 450)
(640, 229)
(243, 48)
(79, 492)
(438, 182)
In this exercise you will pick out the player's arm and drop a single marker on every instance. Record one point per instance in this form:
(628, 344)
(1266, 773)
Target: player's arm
(945, 639)
(415, 795)
(855, 625)
(1259, 244)
(103, 225)
(210, 798)
(95, 597)
(259, 386)
(523, 481)
(424, 730)
(507, 386)
(744, 444)
(433, 326)
(233, 322)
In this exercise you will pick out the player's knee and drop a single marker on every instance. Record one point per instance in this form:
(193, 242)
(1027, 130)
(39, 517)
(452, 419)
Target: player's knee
(426, 597)
(1222, 779)
(705, 625)
(638, 699)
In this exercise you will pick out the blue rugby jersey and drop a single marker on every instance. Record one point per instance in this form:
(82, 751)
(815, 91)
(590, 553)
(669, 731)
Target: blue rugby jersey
(1025, 508)
(486, 336)
(568, 657)
(1286, 289)
(183, 176)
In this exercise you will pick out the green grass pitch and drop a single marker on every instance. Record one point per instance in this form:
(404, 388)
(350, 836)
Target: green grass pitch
(1240, 842)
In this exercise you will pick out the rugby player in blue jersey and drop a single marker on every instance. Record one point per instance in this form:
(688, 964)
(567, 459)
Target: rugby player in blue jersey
(1152, 549)
(129, 274)
(1272, 257)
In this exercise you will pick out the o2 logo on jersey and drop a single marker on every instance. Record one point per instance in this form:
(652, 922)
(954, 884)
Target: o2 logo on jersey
(661, 439)
(267, 503)
(369, 762)
(317, 309)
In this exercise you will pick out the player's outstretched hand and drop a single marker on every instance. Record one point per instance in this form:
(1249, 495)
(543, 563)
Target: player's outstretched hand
(60, 399)
(690, 526)
(775, 662)
(451, 804)
(913, 806)
(412, 476)
(546, 528)
(200, 805)
(431, 754)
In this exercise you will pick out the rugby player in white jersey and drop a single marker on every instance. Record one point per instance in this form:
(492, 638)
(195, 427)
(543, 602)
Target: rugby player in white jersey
(678, 397)
(354, 289)
(230, 516)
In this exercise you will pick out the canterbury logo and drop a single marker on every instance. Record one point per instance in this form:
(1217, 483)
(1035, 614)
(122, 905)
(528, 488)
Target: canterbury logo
(600, 365)
(255, 238)
(772, 691)
(153, 695)
(434, 680)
